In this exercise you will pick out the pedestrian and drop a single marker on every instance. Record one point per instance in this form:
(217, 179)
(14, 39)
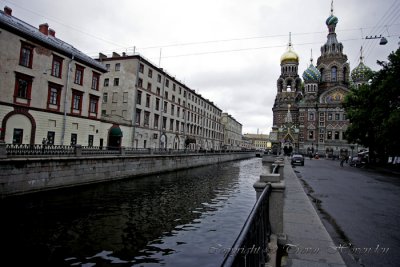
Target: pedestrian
(342, 161)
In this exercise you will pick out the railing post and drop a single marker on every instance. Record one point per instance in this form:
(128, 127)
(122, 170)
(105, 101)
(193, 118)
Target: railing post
(3, 150)
(122, 150)
(78, 150)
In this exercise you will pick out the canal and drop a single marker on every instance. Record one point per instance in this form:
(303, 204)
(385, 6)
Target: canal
(183, 218)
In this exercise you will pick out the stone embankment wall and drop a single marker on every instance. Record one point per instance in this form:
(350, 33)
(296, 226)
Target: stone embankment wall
(28, 175)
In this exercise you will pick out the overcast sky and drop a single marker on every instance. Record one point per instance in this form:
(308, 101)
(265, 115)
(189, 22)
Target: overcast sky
(227, 50)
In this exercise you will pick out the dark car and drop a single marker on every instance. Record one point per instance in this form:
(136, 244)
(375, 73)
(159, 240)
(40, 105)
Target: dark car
(297, 159)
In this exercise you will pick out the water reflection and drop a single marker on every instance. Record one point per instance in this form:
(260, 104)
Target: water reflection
(170, 219)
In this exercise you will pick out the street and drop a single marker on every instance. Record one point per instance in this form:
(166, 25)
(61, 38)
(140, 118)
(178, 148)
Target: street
(359, 207)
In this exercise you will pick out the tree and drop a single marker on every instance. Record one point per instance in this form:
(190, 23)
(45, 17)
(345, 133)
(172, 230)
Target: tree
(374, 111)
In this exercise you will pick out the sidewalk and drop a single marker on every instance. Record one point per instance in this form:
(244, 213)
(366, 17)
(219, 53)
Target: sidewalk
(308, 242)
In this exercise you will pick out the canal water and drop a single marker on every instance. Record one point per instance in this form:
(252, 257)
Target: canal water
(183, 218)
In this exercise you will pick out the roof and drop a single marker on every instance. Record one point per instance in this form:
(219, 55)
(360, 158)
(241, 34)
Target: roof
(30, 32)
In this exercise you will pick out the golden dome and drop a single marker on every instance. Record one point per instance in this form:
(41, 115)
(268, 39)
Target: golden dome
(289, 55)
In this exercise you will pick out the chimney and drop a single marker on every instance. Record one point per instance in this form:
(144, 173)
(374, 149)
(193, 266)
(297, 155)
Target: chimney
(102, 56)
(7, 10)
(44, 28)
(52, 32)
(114, 54)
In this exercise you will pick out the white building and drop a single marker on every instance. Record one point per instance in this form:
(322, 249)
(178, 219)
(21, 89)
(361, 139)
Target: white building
(161, 111)
(48, 89)
(232, 132)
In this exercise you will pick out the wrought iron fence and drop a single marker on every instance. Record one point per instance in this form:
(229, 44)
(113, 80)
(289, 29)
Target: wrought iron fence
(251, 246)
(15, 150)
(38, 150)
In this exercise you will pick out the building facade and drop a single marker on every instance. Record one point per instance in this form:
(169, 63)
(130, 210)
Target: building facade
(232, 130)
(259, 141)
(50, 92)
(309, 117)
(161, 111)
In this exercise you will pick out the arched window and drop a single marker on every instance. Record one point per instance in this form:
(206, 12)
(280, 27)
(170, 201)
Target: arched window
(322, 74)
(344, 74)
(333, 74)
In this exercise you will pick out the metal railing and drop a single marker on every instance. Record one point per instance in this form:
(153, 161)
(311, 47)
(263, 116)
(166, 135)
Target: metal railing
(251, 246)
(26, 150)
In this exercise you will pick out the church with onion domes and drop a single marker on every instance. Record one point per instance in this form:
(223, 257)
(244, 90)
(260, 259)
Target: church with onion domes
(308, 116)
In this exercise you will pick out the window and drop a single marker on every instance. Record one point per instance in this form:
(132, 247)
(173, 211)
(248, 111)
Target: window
(173, 87)
(337, 116)
(178, 109)
(138, 113)
(157, 104)
(344, 116)
(171, 124)
(146, 118)
(90, 140)
(115, 97)
(79, 75)
(125, 97)
(108, 67)
(149, 86)
(334, 74)
(147, 100)
(177, 126)
(76, 102)
(26, 55)
(95, 81)
(329, 116)
(156, 118)
(54, 95)
(158, 91)
(23, 87)
(117, 66)
(329, 135)
(337, 134)
(50, 137)
(141, 68)
(173, 98)
(140, 83)
(56, 66)
(150, 74)
(166, 95)
(167, 83)
(18, 136)
(106, 82)
(164, 123)
(310, 134)
(74, 138)
(139, 97)
(165, 106)
(311, 116)
(172, 110)
(93, 105)
(116, 81)
(105, 97)
(158, 78)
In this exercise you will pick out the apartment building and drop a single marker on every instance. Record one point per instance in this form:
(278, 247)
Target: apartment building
(49, 90)
(259, 141)
(161, 111)
(232, 132)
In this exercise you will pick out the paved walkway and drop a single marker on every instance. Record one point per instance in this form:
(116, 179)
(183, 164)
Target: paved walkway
(309, 244)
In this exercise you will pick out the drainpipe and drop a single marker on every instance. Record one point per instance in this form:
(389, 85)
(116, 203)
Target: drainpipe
(162, 112)
(65, 100)
(134, 104)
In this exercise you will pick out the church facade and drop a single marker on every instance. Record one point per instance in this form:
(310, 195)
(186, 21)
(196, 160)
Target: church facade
(308, 115)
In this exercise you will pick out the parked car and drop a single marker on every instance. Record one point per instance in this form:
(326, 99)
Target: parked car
(297, 159)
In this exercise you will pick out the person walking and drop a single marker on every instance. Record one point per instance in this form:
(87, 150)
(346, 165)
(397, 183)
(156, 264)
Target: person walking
(343, 159)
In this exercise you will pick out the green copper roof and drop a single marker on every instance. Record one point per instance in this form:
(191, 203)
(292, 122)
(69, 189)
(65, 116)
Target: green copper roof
(332, 20)
(311, 74)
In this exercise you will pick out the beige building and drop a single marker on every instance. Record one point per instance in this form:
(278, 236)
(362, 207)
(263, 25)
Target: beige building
(161, 111)
(259, 141)
(232, 132)
(49, 90)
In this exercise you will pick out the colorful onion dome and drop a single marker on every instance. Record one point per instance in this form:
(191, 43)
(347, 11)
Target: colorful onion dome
(361, 73)
(332, 20)
(311, 74)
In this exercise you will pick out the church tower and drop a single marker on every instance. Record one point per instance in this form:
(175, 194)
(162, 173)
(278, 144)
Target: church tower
(288, 93)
